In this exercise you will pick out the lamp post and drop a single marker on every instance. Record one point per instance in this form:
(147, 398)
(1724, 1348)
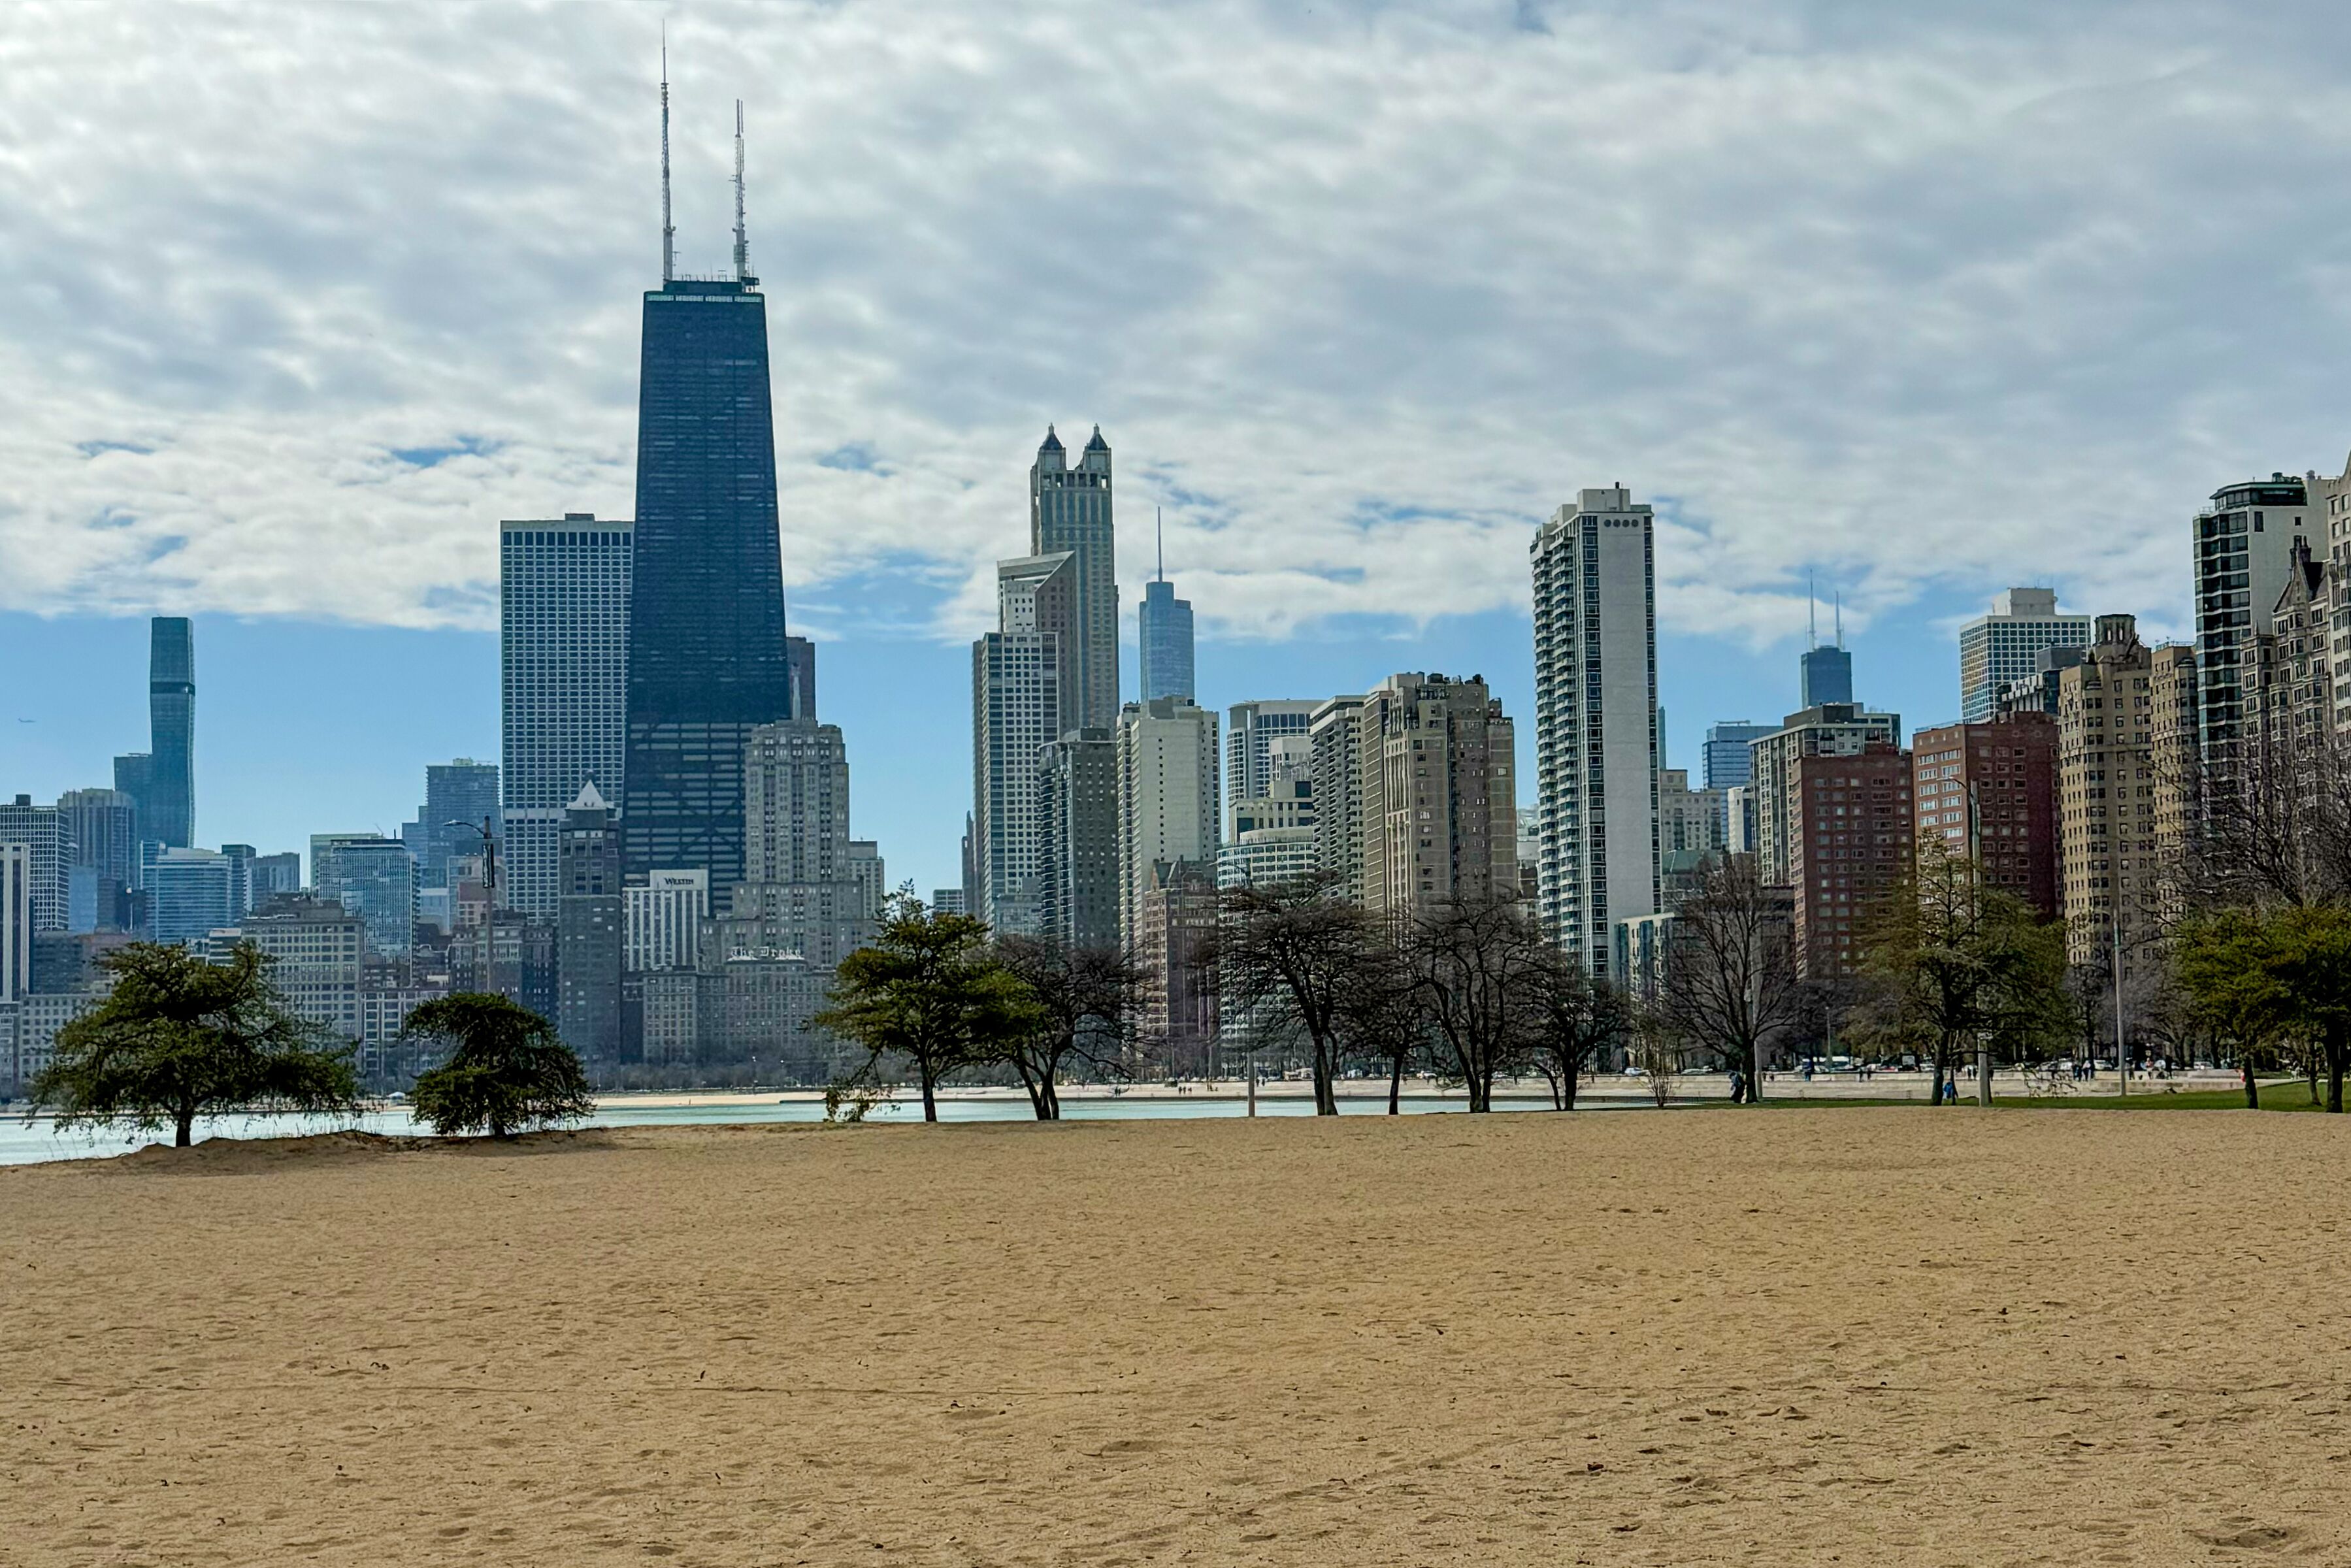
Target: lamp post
(489, 854)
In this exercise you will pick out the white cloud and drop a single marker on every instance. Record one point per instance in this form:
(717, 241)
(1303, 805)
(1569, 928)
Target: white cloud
(1359, 293)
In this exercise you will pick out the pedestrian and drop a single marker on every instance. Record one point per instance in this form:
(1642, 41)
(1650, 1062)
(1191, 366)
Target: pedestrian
(1737, 1087)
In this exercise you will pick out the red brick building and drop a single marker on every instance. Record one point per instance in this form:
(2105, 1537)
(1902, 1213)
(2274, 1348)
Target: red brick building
(1851, 846)
(1996, 782)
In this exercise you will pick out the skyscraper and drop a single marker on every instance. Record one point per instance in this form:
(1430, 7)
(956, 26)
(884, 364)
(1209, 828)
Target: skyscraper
(1070, 511)
(42, 830)
(2244, 553)
(2006, 646)
(1023, 687)
(1251, 730)
(662, 928)
(101, 829)
(2112, 746)
(170, 808)
(1163, 628)
(563, 654)
(804, 889)
(375, 879)
(1833, 729)
(1596, 754)
(587, 929)
(1077, 859)
(16, 923)
(1440, 796)
(1825, 675)
(460, 797)
(708, 660)
(1166, 757)
(1729, 759)
(191, 893)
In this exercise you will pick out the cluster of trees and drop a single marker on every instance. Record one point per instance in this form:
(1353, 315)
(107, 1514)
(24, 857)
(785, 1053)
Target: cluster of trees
(179, 1037)
(1471, 991)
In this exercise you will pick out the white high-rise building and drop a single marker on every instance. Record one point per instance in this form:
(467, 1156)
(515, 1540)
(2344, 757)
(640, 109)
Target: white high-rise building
(1596, 754)
(42, 830)
(1023, 687)
(2004, 646)
(2244, 554)
(662, 922)
(1166, 761)
(563, 655)
(16, 922)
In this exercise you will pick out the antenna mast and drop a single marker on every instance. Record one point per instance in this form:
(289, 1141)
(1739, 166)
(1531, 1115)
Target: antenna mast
(1812, 612)
(669, 232)
(1159, 532)
(1840, 618)
(742, 245)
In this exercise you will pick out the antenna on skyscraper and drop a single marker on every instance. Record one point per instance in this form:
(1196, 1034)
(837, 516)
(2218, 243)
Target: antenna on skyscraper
(1840, 617)
(1812, 612)
(669, 233)
(1159, 532)
(742, 245)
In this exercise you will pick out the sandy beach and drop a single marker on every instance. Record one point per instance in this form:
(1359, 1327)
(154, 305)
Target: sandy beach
(1795, 1336)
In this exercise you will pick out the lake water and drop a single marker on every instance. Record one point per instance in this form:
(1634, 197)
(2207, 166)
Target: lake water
(29, 1141)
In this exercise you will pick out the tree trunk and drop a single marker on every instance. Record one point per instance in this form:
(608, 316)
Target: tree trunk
(1395, 1080)
(2338, 1038)
(1326, 1098)
(1049, 1108)
(930, 1101)
(2253, 1090)
(1755, 1073)
(183, 1126)
(1568, 1079)
(1481, 1092)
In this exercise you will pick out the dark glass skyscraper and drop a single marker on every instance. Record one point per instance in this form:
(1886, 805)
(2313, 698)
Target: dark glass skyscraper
(707, 662)
(169, 809)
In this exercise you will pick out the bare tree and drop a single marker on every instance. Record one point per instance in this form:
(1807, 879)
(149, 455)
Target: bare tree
(1380, 1018)
(2273, 826)
(1578, 1020)
(1480, 968)
(1086, 1001)
(1656, 1050)
(1289, 956)
(1730, 987)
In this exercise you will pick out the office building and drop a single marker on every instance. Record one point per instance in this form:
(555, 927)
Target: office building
(2114, 887)
(508, 952)
(34, 1023)
(241, 859)
(796, 803)
(461, 802)
(1440, 797)
(1596, 745)
(42, 830)
(1273, 837)
(587, 929)
(1069, 512)
(17, 925)
(2289, 681)
(564, 590)
(823, 922)
(375, 879)
(947, 901)
(1738, 818)
(1164, 635)
(1023, 687)
(1988, 791)
(1833, 729)
(710, 661)
(2037, 692)
(662, 920)
(799, 659)
(2006, 646)
(320, 951)
(1334, 768)
(1851, 849)
(1727, 759)
(873, 879)
(1251, 730)
(2244, 544)
(274, 874)
(1167, 806)
(1266, 857)
(101, 832)
(1693, 825)
(190, 893)
(1078, 860)
(169, 810)
(1174, 945)
(133, 772)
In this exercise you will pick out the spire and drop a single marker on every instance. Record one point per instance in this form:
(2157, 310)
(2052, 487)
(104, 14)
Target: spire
(1812, 612)
(1052, 442)
(742, 245)
(1159, 533)
(1840, 617)
(1097, 444)
(669, 232)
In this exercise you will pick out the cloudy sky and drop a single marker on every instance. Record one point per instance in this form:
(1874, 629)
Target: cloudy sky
(1925, 300)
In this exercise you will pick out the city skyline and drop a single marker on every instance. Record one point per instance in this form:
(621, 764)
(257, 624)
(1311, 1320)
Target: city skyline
(893, 496)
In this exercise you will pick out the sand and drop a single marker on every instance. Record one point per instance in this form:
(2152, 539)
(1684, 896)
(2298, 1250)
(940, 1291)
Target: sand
(1791, 1336)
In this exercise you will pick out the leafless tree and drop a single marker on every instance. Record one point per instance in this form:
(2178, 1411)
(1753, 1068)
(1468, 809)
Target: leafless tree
(1381, 1019)
(1289, 957)
(1085, 1001)
(1480, 968)
(1578, 1022)
(1730, 987)
(1656, 1050)
(2272, 827)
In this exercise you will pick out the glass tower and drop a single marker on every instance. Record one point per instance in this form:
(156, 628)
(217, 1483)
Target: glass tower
(170, 807)
(1165, 628)
(708, 660)
(1069, 510)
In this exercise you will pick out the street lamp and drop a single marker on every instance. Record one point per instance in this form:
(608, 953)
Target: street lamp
(489, 854)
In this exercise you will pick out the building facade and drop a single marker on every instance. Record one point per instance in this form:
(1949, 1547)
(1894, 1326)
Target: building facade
(373, 877)
(1023, 690)
(1334, 750)
(1078, 860)
(168, 808)
(1988, 792)
(1728, 758)
(1070, 512)
(2113, 884)
(1174, 945)
(2244, 543)
(1251, 730)
(590, 914)
(1852, 850)
(1831, 730)
(564, 588)
(707, 657)
(17, 925)
(1596, 751)
(662, 920)
(189, 893)
(1167, 799)
(1163, 631)
(42, 830)
(1440, 796)
(2006, 646)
